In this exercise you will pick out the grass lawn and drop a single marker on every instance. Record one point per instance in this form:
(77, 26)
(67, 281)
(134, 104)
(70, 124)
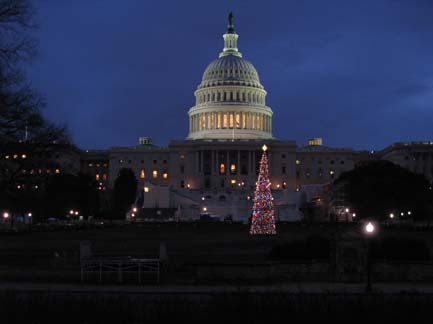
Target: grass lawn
(186, 243)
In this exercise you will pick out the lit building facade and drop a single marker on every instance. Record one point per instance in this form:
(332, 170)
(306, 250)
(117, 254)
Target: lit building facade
(214, 170)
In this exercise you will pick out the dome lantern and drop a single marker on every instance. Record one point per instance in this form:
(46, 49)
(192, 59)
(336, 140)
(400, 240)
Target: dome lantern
(230, 40)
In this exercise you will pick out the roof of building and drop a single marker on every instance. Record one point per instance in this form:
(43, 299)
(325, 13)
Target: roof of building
(322, 148)
(230, 70)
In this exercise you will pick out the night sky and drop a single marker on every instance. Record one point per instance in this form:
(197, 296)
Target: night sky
(357, 73)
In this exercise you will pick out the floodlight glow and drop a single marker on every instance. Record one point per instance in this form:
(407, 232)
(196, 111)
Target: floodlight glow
(369, 228)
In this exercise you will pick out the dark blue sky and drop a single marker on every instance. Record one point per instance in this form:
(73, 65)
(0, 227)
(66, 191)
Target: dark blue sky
(357, 73)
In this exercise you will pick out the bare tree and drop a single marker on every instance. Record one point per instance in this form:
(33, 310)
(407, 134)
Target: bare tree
(26, 137)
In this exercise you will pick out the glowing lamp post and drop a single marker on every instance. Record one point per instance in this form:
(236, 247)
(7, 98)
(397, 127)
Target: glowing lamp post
(369, 228)
(347, 211)
(7, 216)
(30, 220)
(369, 231)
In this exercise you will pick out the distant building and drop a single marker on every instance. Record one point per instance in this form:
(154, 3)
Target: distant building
(415, 156)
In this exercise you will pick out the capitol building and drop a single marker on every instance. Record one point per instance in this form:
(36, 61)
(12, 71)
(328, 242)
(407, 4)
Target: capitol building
(215, 168)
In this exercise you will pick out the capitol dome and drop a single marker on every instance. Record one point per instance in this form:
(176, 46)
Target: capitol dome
(230, 70)
(230, 100)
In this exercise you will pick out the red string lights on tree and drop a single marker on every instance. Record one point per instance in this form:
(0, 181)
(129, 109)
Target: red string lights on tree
(263, 220)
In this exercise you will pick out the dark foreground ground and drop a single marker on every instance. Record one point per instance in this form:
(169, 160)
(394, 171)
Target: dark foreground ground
(52, 255)
(241, 307)
(39, 279)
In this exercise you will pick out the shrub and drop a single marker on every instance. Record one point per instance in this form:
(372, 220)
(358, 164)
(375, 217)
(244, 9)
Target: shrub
(402, 248)
(314, 247)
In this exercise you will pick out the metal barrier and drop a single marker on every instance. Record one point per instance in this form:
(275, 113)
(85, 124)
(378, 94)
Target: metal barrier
(119, 266)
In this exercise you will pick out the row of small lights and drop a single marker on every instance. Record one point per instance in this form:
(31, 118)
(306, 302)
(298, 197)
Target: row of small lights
(6, 215)
(240, 184)
(47, 171)
(142, 175)
(15, 156)
(391, 215)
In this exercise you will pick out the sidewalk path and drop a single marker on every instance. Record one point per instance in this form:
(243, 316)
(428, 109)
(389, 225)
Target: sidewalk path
(312, 287)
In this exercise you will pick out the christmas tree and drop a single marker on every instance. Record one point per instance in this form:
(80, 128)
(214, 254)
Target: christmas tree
(263, 220)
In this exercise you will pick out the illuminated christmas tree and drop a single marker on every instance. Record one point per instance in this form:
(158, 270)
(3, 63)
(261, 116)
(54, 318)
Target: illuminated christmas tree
(263, 220)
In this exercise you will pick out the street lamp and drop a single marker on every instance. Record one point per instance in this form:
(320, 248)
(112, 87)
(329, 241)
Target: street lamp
(6, 215)
(409, 213)
(30, 220)
(369, 230)
(391, 215)
(347, 210)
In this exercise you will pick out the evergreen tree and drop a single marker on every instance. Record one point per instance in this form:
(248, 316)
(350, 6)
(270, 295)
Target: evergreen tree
(124, 192)
(263, 220)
